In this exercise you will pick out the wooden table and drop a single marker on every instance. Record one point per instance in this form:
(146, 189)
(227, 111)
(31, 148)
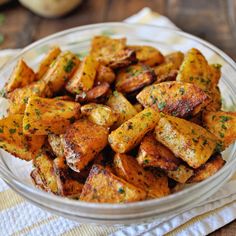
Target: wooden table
(211, 20)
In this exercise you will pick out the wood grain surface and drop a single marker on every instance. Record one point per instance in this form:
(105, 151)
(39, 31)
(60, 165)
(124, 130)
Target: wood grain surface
(212, 20)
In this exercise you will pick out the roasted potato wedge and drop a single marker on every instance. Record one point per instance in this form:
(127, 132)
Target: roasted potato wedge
(148, 55)
(44, 165)
(216, 102)
(134, 77)
(15, 142)
(44, 115)
(67, 185)
(99, 114)
(84, 76)
(61, 71)
(214, 164)
(105, 74)
(176, 58)
(130, 133)
(21, 76)
(127, 168)
(118, 103)
(47, 61)
(181, 174)
(222, 124)
(174, 98)
(19, 97)
(154, 154)
(81, 145)
(187, 140)
(103, 186)
(38, 181)
(55, 142)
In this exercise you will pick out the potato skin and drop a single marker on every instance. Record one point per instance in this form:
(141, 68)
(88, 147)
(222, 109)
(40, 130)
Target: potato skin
(214, 164)
(130, 133)
(222, 124)
(153, 154)
(133, 78)
(54, 141)
(105, 74)
(127, 168)
(38, 181)
(104, 187)
(121, 106)
(174, 98)
(15, 142)
(187, 140)
(43, 116)
(81, 145)
(99, 114)
(47, 61)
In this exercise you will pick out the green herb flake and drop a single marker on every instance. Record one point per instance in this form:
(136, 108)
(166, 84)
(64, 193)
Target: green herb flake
(217, 66)
(221, 135)
(1, 38)
(224, 118)
(27, 126)
(121, 190)
(69, 66)
(37, 112)
(182, 91)
(161, 105)
(1, 130)
(146, 161)
(12, 131)
(2, 92)
(25, 100)
(115, 93)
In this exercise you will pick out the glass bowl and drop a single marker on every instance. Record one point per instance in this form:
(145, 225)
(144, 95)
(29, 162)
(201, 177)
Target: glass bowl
(16, 172)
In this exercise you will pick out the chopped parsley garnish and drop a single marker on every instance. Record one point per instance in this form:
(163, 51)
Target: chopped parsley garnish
(27, 126)
(115, 93)
(224, 118)
(121, 190)
(182, 91)
(69, 66)
(12, 131)
(1, 130)
(161, 105)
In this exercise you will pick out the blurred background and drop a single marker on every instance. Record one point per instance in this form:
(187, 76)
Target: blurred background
(22, 23)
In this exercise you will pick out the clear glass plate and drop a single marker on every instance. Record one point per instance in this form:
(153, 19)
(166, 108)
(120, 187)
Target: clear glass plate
(16, 172)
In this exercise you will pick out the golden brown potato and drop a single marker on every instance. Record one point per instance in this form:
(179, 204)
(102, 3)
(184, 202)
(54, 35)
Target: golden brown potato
(214, 164)
(148, 55)
(176, 58)
(174, 98)
(215, 104)
(67, 185)
(222, 124)
(133, 78)
(47, 61)
(84, 76)
(43, 116)
(21, 76)
(103, 186)
(13, 141)
(215, 73)
(138, 107)
(181, 174)
(19, 97)
(64, 98)
(99, 114)
(61, 71)
(44, 165)
(55, 142)
(118, 103)
(154, 154)
(130, 133)
(187, 140)
(112, 52)
(105, 74)
(82, 142)
(127, 168)
(38, 181)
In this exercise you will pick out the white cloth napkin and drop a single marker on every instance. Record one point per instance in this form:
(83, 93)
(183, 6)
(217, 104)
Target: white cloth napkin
(18, 217)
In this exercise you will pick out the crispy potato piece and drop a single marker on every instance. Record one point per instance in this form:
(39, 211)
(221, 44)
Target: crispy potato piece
(215, 73)
(81, 145)
(176, 58)
(103, 186)
(44, 115)
(148, 55)
(134, 77)
(84, 76)
(154, 154)
(44, 165)
(99, 114)
(38, 181)
(138, 107)
(215, 104)
(21, 76)
(13, 141)
(105, 74)
(19, 97)
(112, 52)
(54, 141)
(127, 168)
(165, 72)
(61, 71)
(214, 164)
(121, 106)
(187, 140)
(174, 98)
(67, 185)
(47, 61)
(181, 174)
(130, 133)
(222, 124)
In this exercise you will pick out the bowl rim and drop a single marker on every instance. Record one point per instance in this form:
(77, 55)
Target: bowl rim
(9, 177)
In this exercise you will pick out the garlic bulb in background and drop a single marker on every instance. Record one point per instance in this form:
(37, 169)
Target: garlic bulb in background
(50, 8)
